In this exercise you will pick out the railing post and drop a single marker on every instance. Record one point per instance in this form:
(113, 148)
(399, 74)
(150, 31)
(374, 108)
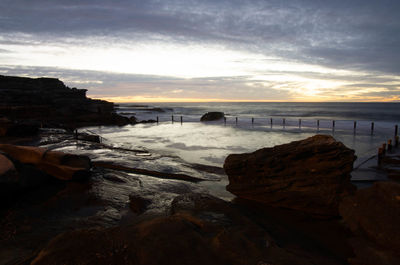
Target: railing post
(380, 155)
(372, 128)
(252, 120)
(181, 120)
(333, 125)
(299, 123)
(157, 119)
(172, 118)
(355, 127)
(283, 122)
(225, 120)
(389, 145)
(271, 122)
(236, 120)
(317, 125)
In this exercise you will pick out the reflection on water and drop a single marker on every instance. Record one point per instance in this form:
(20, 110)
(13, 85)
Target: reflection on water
(211, 143)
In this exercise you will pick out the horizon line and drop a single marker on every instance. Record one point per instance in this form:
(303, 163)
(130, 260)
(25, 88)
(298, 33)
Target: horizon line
(200, 100)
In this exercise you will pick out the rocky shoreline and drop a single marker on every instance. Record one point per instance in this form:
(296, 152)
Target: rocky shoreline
(66, 200)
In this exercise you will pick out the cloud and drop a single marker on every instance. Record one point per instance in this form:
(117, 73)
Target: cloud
(362, 37)
(302, 86)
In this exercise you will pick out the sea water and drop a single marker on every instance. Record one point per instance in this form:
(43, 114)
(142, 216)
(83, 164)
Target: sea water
(248, 127)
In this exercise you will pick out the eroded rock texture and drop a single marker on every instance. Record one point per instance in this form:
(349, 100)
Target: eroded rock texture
(200, 230)
(310, 175)
(373, 214)
(57, 164)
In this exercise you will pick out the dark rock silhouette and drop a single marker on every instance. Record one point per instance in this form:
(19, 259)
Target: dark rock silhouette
(50, 103)
(373, 214)
(88, 137)
(310, 175)
(212, 116)
(133, 120)
(18, 129)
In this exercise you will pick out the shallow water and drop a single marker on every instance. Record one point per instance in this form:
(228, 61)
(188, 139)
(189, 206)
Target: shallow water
(211, 143)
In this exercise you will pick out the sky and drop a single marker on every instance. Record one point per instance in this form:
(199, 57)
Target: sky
(210, 50)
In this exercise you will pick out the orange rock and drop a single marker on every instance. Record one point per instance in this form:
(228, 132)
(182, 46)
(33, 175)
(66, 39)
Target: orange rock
(373, 214)
(58, 164)
(310, 175)
(24, 154)
(6, 166)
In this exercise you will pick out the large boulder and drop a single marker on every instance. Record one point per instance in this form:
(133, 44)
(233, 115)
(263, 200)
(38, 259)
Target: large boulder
(212, 116)
(310, 175)
(373, 215)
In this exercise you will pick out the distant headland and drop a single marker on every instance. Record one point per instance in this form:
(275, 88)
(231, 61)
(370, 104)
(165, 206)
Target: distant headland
(49, 102)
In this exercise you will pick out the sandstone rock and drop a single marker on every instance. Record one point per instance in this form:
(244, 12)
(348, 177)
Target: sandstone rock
(24, 154)
(212, 116)
(64, 172)
(17, 179)
(201, 230)
(310, 175)
(373, 214)
(58, 164)
(138, 204)
(7, 169)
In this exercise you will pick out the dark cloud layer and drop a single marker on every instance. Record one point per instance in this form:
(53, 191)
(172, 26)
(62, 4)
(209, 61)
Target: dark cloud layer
(350, 35)
(347, 34)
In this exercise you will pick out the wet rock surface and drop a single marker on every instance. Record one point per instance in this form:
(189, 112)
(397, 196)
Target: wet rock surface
(121, 217)
(53, 206)
(212, 116)
(200, 229)
(373, 214)
(311, 175)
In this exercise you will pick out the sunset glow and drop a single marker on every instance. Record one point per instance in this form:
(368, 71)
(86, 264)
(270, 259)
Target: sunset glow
(265, 52)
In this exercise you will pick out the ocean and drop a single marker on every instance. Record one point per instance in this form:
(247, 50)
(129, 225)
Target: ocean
(209, 143)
